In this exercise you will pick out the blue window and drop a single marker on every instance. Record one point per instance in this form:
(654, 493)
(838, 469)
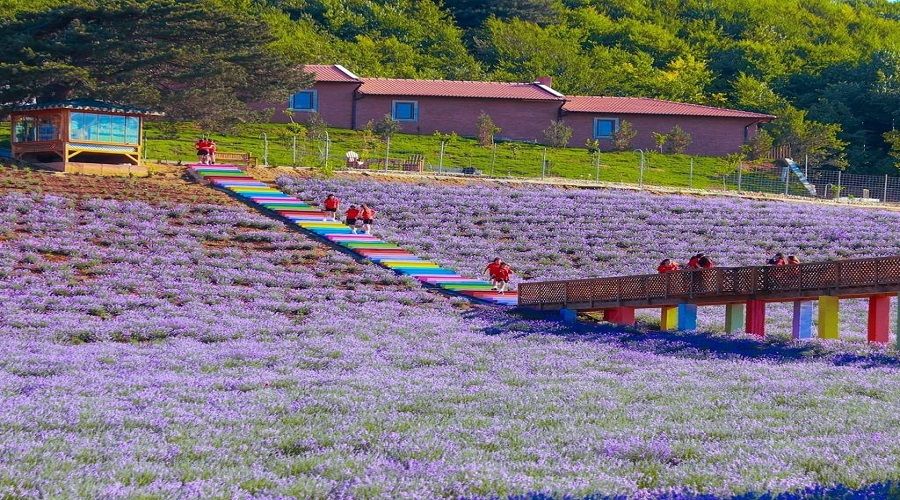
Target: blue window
(95, 127)
(405, 111)
(604, 128)
(305, 100)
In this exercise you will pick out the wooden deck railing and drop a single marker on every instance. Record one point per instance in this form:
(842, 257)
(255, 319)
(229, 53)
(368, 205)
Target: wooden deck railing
(846, 278)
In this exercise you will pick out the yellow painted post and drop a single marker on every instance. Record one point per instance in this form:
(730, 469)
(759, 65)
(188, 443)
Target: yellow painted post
(668, 319)
(829, 317)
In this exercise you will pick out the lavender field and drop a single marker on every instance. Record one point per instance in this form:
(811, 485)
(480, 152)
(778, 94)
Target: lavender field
(553, 233)
(201, 350)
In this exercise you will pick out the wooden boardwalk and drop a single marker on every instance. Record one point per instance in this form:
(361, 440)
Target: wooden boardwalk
(745, 290)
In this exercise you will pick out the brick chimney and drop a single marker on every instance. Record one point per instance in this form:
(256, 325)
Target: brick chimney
(545, 80)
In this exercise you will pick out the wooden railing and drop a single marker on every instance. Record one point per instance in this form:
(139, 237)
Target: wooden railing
(846, 278)
(236, 158)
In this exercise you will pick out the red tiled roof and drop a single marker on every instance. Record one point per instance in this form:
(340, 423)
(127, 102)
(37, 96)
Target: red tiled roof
(646, 106)
(330, 73)
(455, 88)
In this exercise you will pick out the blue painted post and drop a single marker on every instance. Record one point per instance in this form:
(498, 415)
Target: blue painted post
(803, 316)
(569, 316)
(687, 317)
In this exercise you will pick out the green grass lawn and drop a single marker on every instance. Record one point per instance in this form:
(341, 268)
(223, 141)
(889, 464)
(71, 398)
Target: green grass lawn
(506, 160)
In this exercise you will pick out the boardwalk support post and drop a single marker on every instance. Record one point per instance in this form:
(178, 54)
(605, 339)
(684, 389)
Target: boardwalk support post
(829, 317)
(569, 316)
(687, 317)
(879, 319)
(668, 319)
(619, 315)
(735, 315)
(756, 318)
(802, 324)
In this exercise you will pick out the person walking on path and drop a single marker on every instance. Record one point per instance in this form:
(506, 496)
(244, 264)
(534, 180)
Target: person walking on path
(502, 276)
(368, 218)
(203, 150)
(352, 214)
(491, 270)
(331, 206)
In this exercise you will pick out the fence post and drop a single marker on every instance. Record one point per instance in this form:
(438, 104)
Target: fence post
(884, 196)
(493, 156)
(740, 175)
(441, 159)
(543, 163)
(787, 182)
(691, 175)
(839, 186)
(387, 154)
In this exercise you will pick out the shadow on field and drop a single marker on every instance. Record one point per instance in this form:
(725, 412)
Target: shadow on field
(697, 344)
(886, 489)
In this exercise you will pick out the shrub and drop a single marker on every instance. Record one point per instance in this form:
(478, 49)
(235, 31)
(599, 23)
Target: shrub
(558, 134)
(623, 136)
(678, 140)
(487, 129)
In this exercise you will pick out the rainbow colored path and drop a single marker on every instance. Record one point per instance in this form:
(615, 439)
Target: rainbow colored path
(311, 219)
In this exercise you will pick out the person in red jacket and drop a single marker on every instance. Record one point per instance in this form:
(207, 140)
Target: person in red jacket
(368, 218)
(202, 146)
(502, 276)
(352, 214)
(491, 270)
(331, 206)
(667, 266)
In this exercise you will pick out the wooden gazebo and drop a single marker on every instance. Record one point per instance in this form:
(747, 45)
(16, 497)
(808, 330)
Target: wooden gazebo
(80, 136)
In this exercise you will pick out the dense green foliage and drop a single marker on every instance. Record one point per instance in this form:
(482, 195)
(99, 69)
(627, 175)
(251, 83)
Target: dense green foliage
(829, 68)
(191, 59)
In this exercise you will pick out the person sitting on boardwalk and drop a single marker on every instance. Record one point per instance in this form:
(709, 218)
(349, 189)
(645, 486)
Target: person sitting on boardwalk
(368, 218)
(352, 214)
(491, 270)
(667, 266)
(331, 205)
(694, 262)
(502, 277)
(705, 262)
(202, 146)
(777, 260)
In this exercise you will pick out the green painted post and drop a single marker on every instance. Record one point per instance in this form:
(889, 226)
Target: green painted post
(735, 317)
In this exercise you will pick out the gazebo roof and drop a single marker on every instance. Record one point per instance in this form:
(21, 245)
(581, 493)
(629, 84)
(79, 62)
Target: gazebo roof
(88, 105)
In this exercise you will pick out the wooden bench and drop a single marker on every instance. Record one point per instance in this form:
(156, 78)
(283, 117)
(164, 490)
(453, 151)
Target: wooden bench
(246, 159)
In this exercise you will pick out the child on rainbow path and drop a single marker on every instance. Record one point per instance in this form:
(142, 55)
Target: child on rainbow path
(352, 215)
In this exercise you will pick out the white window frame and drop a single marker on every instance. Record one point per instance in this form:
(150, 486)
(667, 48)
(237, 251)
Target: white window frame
(605, 119)
(415, 117)
(315, 101)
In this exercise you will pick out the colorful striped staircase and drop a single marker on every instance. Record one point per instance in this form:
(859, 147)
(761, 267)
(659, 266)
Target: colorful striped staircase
(238, 183)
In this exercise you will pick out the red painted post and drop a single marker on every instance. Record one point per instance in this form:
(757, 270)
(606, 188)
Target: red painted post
(756, 318)
(880, 319)
(619, 315)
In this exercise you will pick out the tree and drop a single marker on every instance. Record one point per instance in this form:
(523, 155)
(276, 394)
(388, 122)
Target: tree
(892, 138)
(146, 53)
(487, 129)
(660, 139)
(759, 147)
(558, 134)
(473, 13)
(623, 137)
(385, 128)
(678, 140)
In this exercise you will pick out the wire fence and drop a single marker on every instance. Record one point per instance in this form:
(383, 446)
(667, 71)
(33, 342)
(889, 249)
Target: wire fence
(645, 169)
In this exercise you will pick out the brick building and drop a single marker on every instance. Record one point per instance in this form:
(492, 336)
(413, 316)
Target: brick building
(521, 110)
